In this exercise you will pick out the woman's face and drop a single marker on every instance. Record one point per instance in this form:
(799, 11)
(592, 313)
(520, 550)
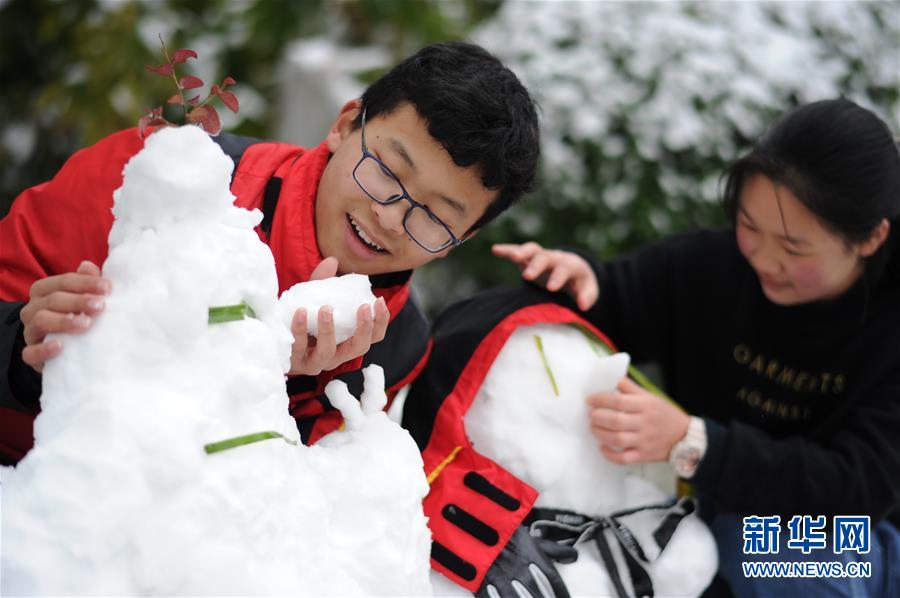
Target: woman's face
(796, 258)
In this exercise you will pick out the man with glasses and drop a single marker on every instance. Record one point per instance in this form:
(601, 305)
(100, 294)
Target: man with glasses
(433, 150)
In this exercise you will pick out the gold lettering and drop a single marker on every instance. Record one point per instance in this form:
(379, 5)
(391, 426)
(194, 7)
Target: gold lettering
(800, 380)
(758, 364)
(786, 377)
(839, 381)
(768, 406)
(742, 354)
(782, 411)
(772, 369)
(826, 379)
(754, 399)
(813, 384)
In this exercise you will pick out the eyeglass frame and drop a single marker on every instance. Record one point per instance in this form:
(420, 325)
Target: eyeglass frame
(454, 240)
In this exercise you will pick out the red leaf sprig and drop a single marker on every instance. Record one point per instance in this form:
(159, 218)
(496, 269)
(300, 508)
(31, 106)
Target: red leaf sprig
(196, 112)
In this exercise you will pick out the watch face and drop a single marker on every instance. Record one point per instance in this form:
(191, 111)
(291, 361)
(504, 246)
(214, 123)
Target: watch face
(686, 460)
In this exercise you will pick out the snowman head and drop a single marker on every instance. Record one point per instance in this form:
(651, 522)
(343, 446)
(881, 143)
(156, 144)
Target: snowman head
(530, 416)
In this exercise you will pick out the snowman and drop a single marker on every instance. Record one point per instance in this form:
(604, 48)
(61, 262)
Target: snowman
(165, 461)
(504, 396)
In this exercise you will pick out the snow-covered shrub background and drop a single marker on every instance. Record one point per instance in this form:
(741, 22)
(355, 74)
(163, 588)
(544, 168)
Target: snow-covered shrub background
(643, 104)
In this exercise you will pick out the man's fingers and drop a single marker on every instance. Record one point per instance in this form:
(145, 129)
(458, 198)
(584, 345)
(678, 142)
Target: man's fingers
(326, 269)
(37, 355)
(45, 321)
(325, 347)
(301, 334)
(382, 318)
(88, 267)
(73, 282)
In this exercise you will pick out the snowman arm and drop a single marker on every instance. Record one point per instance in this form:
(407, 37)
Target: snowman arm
(474, 507)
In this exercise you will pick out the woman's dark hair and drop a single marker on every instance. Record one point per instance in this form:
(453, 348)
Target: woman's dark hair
(841, 161)
(475, 107)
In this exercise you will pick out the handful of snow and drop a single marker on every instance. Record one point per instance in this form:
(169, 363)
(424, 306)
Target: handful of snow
(118, 496)
(345, 294)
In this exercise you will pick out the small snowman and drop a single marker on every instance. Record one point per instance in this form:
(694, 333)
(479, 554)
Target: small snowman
(518, 392)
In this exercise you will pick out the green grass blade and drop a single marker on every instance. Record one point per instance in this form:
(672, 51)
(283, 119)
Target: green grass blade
(540, 348)
(230, 313)
(230, 443)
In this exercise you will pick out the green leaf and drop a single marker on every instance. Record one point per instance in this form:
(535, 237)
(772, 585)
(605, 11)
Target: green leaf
(230, 313)
(540, 348)
(230, 443)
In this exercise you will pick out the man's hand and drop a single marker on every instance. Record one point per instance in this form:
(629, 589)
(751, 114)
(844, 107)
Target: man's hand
(313, 355)
(62, 303)
(635, 425)
(554, 269)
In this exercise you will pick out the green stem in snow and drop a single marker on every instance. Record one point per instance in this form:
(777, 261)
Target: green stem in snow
(224, 445)
(540, 348)
(230, 313)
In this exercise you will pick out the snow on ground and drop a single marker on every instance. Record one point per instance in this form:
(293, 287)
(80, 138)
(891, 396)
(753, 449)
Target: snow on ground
(118, 497)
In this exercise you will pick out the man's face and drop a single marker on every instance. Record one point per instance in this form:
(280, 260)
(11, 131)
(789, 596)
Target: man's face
(402, 142)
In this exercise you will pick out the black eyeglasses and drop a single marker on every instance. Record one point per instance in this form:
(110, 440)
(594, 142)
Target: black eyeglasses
(381, 185)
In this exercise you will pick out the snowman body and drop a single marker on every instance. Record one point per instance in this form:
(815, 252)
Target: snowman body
(119, 495)
(531, 417)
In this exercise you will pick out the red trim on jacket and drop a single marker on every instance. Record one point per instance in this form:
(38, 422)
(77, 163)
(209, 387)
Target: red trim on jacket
(449, 455)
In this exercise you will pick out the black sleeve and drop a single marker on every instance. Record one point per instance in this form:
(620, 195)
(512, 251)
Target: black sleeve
(20, 387)
(855, 472)
(634, 306)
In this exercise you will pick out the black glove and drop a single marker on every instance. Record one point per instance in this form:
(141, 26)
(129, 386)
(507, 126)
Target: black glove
(524, 570)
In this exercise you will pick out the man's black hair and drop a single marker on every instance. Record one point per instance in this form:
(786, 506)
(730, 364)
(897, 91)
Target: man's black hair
(475, 107)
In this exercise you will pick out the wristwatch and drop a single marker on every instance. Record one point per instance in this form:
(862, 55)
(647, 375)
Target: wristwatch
(687, 452)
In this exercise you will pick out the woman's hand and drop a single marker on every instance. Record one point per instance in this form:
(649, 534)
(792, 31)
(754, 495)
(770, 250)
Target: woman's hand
(634, 425)
(313, 355)
(555, 269)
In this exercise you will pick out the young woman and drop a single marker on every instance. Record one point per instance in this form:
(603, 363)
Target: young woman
(780, 341)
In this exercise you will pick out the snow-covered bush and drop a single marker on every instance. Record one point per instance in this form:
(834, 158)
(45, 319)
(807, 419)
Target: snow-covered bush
(643, 104)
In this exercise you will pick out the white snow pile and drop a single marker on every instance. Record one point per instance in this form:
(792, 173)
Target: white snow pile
(530, 416)
(119, 497)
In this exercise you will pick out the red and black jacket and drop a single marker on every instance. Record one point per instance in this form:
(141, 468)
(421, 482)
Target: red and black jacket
(54, 226)
(474, 504)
